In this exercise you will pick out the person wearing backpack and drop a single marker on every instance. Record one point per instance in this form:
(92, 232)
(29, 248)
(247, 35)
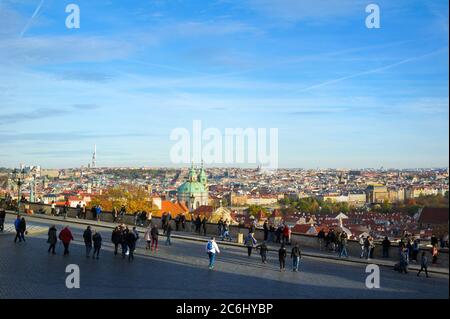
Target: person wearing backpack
(296, 255)
(212, 249)
(250, 242)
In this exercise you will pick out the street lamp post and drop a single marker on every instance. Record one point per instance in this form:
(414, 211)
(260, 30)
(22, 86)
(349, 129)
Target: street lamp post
(19, 177)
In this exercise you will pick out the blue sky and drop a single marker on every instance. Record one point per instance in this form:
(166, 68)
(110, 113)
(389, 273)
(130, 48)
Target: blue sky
(340, 94)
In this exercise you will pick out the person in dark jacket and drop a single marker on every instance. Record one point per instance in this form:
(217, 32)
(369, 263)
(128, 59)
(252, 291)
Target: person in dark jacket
(124, 245)
(386, 243)
(169, 234)
(52, 239)
(423, 264)
(204, 225)
(87, 237)
(154, 233)
(116, 238)
(282, 253)
(198, 224)
(263, 250)
(266, 230)
(22, 228)
(296, 255)
(131, 243)
(97, 239)
(183, 221)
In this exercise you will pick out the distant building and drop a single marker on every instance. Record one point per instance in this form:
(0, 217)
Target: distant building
(377, 194)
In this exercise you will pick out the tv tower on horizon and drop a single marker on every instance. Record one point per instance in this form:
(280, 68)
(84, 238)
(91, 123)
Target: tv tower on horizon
(94, 157)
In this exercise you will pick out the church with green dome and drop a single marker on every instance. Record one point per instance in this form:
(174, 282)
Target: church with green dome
(194, 192)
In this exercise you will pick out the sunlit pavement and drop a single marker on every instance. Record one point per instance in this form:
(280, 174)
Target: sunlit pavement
(180, 271)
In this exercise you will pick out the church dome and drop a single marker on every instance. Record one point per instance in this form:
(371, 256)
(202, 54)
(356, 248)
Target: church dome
(191, 187)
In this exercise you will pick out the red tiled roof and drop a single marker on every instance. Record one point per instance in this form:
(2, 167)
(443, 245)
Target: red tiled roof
(434, 215)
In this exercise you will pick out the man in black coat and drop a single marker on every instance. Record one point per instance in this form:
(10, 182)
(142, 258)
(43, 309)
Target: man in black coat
(131, 239)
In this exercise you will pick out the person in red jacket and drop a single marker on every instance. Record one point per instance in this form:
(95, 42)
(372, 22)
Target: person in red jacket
(286, 235)
(66, 237)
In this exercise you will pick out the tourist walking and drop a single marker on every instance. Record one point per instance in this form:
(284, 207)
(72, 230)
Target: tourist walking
(17, 228)
(423, 264)
(282, 253)
(296, 254)
(212, 249)
(52, 239)
(66, 237)
(22, 228)
(97, 239)
(250, 243)
(169, 234)
(131, 243)
(154, 233)
(87, 237)
(263, 250)
(116, 238)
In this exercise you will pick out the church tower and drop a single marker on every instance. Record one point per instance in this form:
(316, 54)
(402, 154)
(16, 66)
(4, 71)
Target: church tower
(202, 177)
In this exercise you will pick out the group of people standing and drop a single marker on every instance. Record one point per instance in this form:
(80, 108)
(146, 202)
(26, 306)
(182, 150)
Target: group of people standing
(251, 243)
(280, 234)
(334, 241)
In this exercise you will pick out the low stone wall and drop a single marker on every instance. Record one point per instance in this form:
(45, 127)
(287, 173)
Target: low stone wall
(310, 241)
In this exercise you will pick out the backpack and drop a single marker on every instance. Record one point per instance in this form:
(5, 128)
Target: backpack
(209, 247)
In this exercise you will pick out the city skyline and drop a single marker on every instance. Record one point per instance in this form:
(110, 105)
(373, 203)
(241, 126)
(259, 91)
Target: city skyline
(340, 94)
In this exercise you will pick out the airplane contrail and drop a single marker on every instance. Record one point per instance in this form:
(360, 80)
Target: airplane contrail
(386, 67)
(35, 13)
